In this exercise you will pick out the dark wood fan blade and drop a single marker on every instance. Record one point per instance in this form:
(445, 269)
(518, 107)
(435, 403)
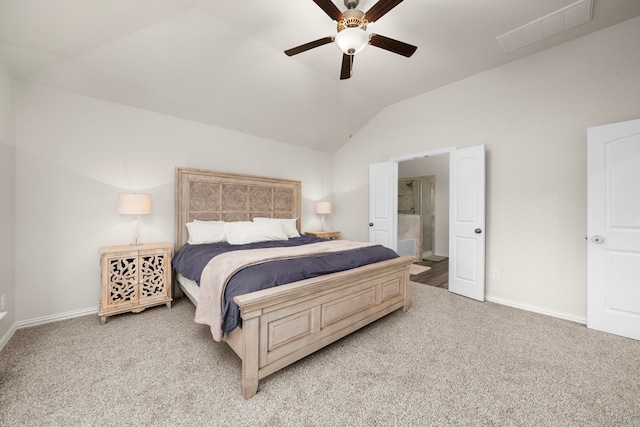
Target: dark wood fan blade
(395, 46)
(379, 9)
(330, 9)
(347, 66)
(307, 46)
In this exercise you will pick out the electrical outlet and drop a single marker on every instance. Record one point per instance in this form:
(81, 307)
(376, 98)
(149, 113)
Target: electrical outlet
(495, 274)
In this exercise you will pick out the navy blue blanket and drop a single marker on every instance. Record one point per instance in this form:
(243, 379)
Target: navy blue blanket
(277, 272)
(190, 260)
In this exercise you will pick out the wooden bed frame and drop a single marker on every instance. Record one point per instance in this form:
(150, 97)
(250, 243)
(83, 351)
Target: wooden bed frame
(284, 324)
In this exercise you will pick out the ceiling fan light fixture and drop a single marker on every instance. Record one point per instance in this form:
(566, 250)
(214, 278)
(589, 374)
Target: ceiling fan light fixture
(352, 40)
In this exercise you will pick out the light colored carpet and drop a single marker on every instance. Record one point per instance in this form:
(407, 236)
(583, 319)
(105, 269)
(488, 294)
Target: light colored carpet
(448, 361)
(417, 269)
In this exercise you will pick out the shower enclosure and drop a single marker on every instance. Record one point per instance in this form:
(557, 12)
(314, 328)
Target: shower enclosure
(416, 215)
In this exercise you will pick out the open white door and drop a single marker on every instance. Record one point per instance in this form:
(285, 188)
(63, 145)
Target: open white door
(383, 204)
(467, 222)
(613, 226)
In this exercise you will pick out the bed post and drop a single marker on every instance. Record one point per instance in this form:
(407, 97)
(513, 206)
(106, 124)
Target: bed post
(250, 361)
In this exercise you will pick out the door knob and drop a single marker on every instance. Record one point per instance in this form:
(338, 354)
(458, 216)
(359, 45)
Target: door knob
(370, 224)
(478, 230)
(597, 239)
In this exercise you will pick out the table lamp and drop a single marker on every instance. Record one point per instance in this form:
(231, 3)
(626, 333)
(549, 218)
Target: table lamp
(134, 204)
(323, 208)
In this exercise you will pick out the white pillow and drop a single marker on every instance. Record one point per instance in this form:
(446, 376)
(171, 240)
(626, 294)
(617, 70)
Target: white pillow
(288, 225)
(242, 232)
(201, 232)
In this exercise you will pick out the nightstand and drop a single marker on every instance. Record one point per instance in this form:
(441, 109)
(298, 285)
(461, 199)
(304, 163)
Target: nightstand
(331, 235)
(134, 278)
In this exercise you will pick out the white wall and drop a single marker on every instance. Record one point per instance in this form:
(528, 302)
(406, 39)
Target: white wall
(74, 154)
(7, 197)
(439, 166)
(532, 115)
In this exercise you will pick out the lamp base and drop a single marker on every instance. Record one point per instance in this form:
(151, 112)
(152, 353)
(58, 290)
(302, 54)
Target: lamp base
(136, 232)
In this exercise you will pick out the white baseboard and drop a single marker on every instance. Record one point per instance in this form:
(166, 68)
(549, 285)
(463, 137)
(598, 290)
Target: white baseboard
(564, 316)
(5, 339)
(45, 319)
(56, 317)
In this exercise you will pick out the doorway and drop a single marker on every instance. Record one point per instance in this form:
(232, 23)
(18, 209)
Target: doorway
(466, 237)
(423, 215)
(416, 215)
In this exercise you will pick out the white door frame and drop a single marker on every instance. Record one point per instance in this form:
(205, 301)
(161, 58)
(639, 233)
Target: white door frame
(423, 155)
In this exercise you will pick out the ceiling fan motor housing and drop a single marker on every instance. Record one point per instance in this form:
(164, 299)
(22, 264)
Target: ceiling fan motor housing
(352, 37)
(352, 18)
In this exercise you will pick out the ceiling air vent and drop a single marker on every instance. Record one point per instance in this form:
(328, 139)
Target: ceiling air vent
(561, 20)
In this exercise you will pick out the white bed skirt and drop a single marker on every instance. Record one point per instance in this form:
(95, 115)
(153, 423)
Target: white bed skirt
(190, 288)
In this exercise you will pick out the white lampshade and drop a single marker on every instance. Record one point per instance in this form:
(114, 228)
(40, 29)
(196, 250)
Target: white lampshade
(323, 208)
(352, 40)
(134, 204)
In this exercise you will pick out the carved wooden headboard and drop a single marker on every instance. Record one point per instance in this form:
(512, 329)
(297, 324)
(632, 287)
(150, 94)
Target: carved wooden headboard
(220, 196)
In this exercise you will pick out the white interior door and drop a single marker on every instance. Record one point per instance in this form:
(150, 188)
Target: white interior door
(383, 204)
(467, 222)
(613, 226)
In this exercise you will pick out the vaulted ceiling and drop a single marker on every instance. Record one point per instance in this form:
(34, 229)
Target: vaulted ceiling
(221, 62)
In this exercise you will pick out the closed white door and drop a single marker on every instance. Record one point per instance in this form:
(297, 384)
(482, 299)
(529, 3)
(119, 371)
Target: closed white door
(383, 204)
(613, 227)
(467, 222)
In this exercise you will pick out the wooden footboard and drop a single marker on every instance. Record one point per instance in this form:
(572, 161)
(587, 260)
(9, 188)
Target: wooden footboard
(284, 324)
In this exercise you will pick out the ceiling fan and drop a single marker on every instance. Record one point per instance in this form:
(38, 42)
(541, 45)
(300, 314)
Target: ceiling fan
(352, 36)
